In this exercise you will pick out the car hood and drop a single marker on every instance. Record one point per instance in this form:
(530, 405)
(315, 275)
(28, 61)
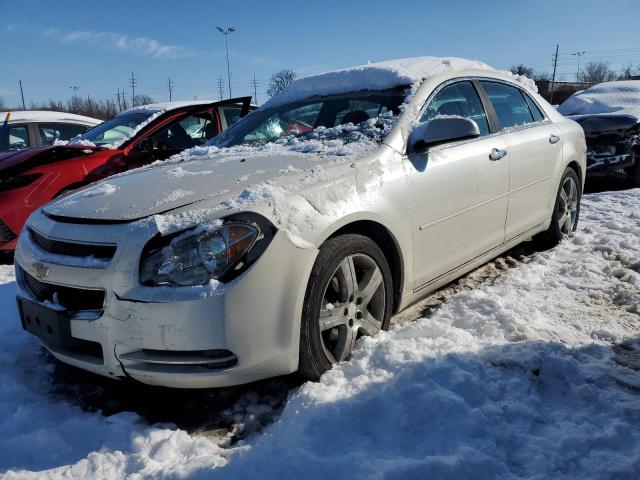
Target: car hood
(14, 163)
(606, 122)
(161, 188)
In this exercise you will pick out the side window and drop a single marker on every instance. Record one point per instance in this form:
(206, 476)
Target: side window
(186, 133)
(538, 116)
(50, 132)
(459, 99)
(15, 138)
(509, 103)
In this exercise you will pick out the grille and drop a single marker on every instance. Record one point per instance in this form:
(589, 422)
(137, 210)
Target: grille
(69, 297)
(6, 234)
(72, 249)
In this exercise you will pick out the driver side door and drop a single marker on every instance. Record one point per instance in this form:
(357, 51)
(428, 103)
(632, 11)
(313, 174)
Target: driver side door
(459, 193)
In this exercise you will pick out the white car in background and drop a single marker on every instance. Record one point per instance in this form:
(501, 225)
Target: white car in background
(34, 128)
(345, 198)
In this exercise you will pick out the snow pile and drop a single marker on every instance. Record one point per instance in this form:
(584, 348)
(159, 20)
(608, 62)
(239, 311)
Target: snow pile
(373, 76)
(609, 97)
(517, 378)
(102, 189)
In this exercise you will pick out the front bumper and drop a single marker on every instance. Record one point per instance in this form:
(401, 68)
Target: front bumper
(166, 336)
(609, 165)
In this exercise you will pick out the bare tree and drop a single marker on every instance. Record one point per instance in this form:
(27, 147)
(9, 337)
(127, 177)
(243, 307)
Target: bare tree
(280, 80)
(542, 76)
(2, 105)
(627, 72)
(143, 100)
(520, 69)
(596, 72)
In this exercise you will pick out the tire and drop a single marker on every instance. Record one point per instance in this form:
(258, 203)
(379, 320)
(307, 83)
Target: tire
(348, 308)
(565, 216)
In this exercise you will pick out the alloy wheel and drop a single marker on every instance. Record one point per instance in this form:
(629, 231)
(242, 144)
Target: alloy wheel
(353, 304)
(568, 208)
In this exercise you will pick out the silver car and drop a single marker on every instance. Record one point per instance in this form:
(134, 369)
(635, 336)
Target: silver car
(343, 200)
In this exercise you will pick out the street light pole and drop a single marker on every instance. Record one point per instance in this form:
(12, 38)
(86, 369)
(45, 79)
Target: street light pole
(578, 54)
(226, 32)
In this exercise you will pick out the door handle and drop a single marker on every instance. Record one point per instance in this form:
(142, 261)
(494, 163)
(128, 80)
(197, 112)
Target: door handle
(553, 138)
(497, 154)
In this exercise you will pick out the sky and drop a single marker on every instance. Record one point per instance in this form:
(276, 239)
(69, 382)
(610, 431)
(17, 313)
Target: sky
(96, 45)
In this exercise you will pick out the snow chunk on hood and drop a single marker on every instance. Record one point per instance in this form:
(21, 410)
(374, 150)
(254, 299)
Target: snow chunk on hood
(609, 97)
(376, 76)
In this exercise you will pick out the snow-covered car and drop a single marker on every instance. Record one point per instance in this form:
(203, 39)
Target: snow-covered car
(34, 128)
(345, 198)
(609, 113)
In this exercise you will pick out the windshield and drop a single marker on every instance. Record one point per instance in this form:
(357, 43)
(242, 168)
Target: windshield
(115, 130)
(362, 116)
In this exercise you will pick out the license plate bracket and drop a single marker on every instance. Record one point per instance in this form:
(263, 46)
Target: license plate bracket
(52, 327)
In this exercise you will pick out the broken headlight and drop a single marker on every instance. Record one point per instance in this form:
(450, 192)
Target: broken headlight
(197, 256)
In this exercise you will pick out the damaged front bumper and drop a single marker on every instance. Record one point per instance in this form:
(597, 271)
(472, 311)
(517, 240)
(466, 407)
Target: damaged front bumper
(246, 331)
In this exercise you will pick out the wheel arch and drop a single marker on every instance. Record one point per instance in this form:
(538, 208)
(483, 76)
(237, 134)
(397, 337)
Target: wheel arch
(389, 245)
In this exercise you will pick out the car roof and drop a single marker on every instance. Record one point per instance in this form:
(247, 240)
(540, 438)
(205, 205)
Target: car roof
(47, 116)
(374, 76)
(166, 106)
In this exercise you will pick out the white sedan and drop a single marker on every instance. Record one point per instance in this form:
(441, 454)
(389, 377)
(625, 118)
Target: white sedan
(344, 199)
(35, 128)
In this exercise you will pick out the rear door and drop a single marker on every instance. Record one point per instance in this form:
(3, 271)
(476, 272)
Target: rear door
(534, 149)
(459, 194)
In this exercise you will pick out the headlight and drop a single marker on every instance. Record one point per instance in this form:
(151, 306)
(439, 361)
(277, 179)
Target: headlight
(11, 183)
(197, 256)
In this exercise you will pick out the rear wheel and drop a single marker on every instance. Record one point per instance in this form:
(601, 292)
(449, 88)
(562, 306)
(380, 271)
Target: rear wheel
(566, 211)
(349, 295)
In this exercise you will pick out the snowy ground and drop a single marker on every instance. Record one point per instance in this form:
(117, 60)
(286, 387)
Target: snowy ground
(529, 368)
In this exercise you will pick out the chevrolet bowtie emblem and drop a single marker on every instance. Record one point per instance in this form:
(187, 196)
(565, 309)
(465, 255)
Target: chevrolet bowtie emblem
(40, 270)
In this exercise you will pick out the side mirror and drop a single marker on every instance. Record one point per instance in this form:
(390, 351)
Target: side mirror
(441, 130)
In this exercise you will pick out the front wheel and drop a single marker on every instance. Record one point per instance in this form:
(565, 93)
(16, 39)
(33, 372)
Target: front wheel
(566, 211)
(349, 295)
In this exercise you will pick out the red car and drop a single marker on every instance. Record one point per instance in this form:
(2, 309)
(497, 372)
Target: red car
(32, 177)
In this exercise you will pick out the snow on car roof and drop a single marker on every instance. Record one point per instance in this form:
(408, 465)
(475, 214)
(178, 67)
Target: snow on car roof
(609, 97)
(165, 106)
(374, 76)
(47, 116)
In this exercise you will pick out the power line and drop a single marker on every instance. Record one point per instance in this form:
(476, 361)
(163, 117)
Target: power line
(254, 84)
(170, 87)
(133, 83)
(22, 95)
(220, 87)
(553, 79)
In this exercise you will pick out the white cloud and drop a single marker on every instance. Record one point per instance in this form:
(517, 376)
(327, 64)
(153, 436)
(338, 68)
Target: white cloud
(121, 42)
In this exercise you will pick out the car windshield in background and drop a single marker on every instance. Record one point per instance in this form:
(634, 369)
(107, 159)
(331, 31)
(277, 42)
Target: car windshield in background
(350, 118)
(114, 130)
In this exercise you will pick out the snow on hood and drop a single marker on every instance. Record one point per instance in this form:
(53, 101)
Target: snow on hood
(378, 76)
(609, 97)
(152, 191)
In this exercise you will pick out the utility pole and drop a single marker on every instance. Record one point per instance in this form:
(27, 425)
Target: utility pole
(22, 95)
(74, 98)
(118, 97)
(578, 54)
(226, 32)
(133, 82)
(254, 84)
(553, 79)
(170, 87)
(220, 87)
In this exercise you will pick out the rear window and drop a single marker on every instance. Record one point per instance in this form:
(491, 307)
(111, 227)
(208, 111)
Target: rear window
(50, 132)
(509, 103)
(538, 116)
(16, 137)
